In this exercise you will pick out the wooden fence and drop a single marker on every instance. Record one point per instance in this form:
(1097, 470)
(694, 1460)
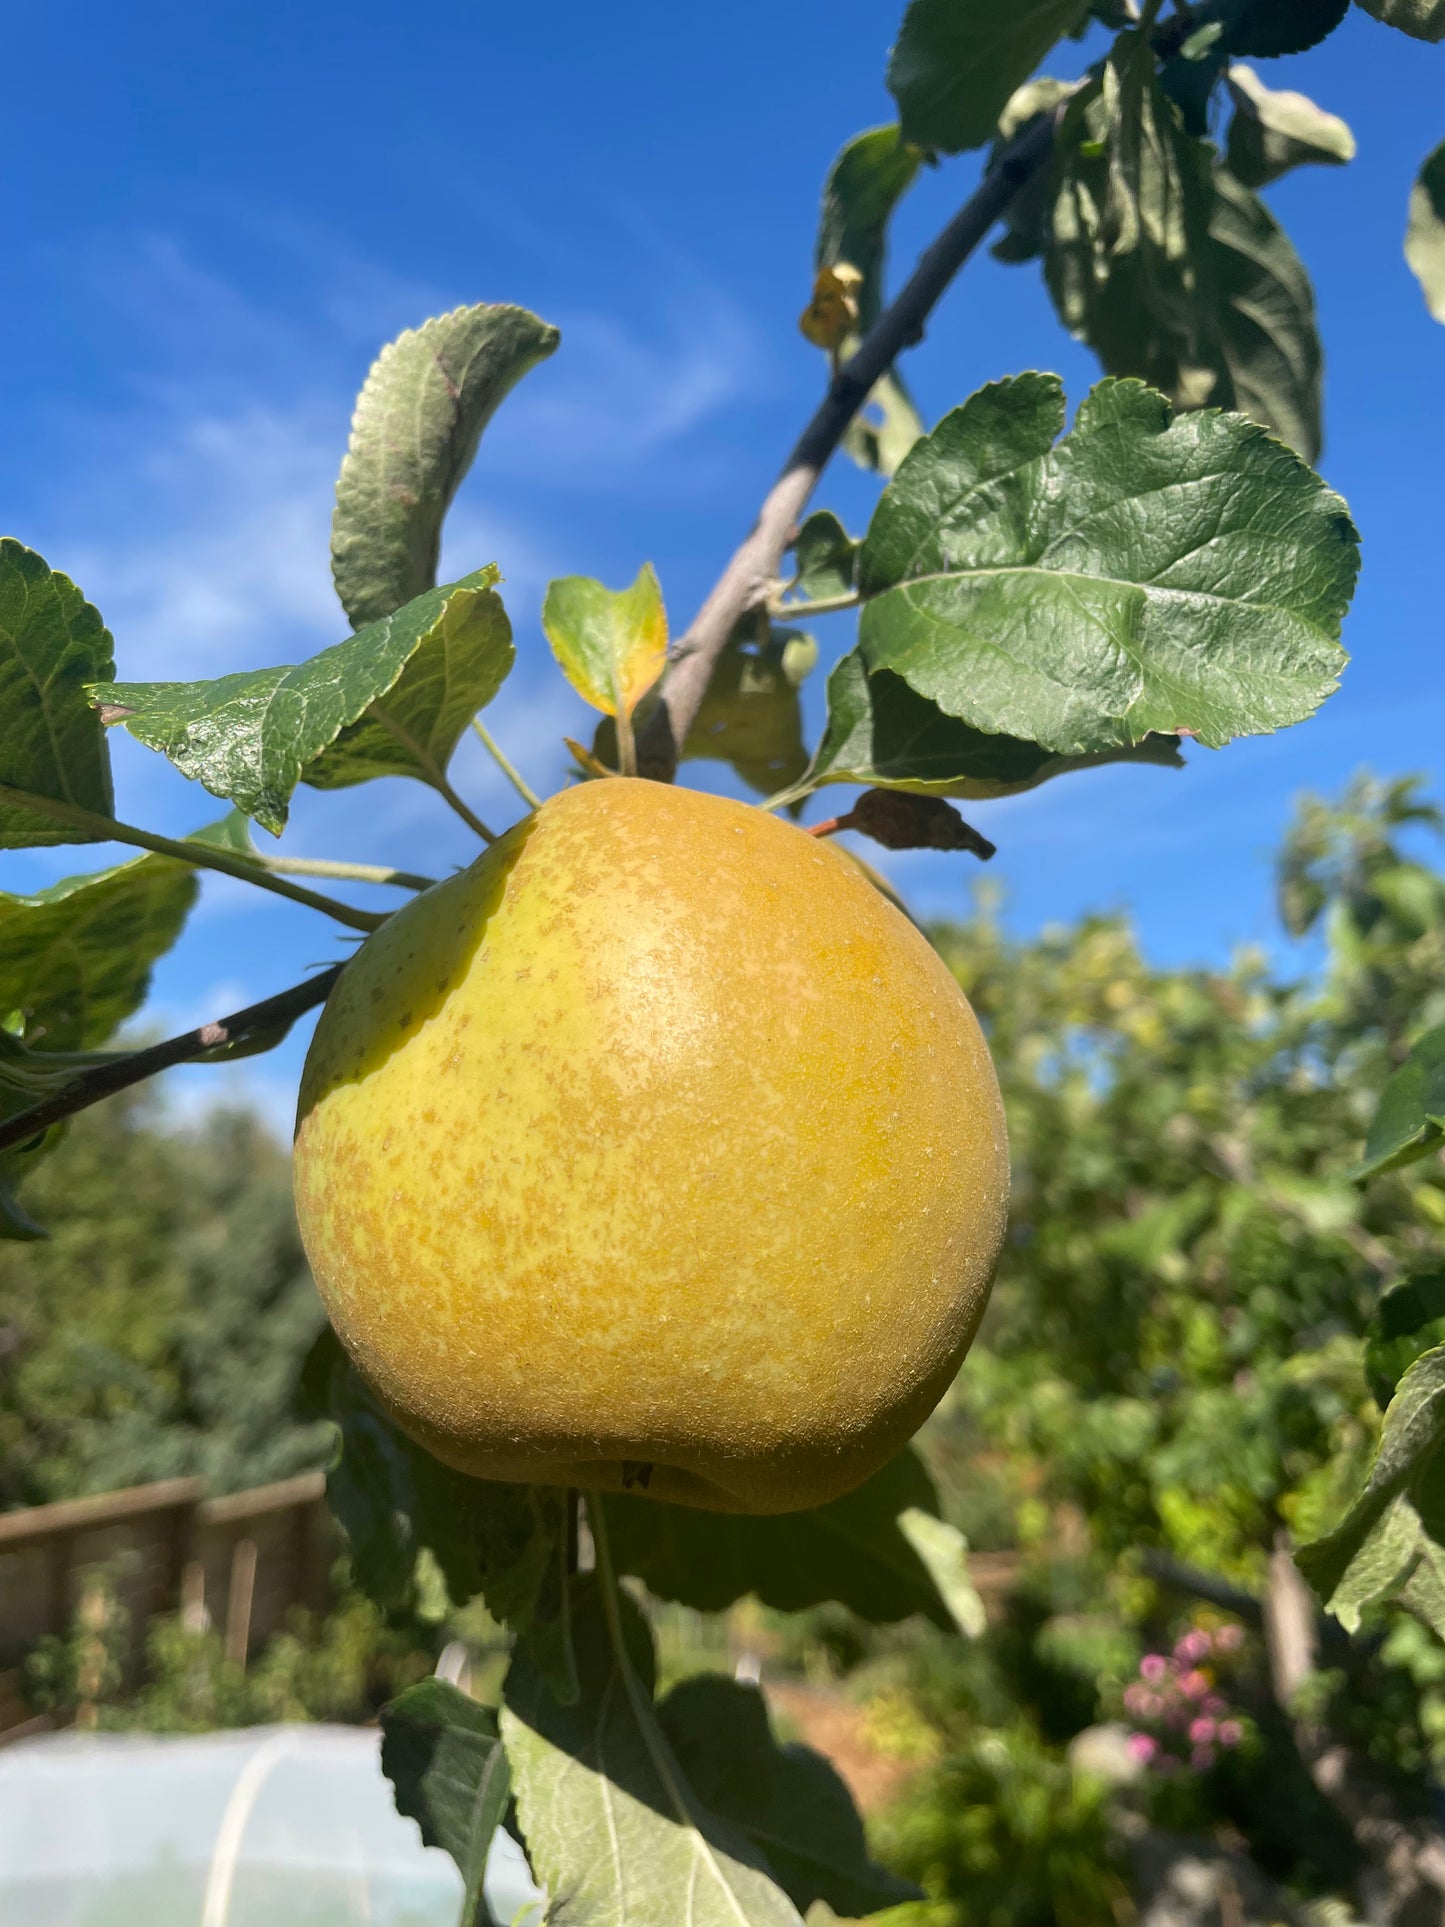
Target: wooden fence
(238, 1563)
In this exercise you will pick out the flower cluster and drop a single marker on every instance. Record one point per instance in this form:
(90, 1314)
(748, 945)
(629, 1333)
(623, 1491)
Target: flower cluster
(1175, 1695)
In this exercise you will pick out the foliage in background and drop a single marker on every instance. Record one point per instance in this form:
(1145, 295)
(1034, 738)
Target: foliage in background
(1175, 1369)
(159, 1331)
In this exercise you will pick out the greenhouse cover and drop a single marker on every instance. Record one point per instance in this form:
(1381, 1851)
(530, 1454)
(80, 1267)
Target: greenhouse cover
(274, 1826)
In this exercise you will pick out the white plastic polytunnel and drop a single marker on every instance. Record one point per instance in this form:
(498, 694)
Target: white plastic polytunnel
(272, 1826)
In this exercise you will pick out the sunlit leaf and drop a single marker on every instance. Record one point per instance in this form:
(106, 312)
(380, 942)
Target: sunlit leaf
(1023, 589)
(1409, 1123)
(611, 643)
(247, 738)
(1274, 130)
(1386, 1547)
(613, 1828)
(1425, 235)
(418, 421)
(458, 667)
(53, 645)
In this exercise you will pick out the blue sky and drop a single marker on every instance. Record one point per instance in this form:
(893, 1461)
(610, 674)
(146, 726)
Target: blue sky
(217, 215)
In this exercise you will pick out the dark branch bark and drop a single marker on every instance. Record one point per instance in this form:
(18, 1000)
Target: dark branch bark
(104, 1080)
(756, 564)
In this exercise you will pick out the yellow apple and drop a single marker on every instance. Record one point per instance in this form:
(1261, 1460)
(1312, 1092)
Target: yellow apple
(656, 1150)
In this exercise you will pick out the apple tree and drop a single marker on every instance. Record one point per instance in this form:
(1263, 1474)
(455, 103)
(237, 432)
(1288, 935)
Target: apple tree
(1034, 595)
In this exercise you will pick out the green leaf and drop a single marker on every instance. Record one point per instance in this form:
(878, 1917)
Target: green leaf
(852, 1550)
(1386, 1546)
(1409, 1321)
(1421, 19)
(1409, 1123)
(882, 733)
(1265, 317)
(885, 428)
(248, 737)
(1129, 230)
(53, 645)
(1147, 574)
(393, 1499)
(1027, 214)
(751, 716)
(1268, 28)
(957, 61)
(865, 184)
(76, 958)
(944, 1551)
(826, 556)
(443, 1754)
(1273, 131)
(418, 420)
(610, 643)
(613, 1829)
(787, 1800)
(1170, 269)
(1425, 235)
(75, 962)
(459, 665)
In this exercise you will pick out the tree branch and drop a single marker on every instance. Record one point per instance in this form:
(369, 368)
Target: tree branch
(748, 577)
(104, 1080)
(1408, 1850)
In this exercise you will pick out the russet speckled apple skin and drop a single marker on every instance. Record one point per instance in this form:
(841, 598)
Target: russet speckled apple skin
(656, 1139)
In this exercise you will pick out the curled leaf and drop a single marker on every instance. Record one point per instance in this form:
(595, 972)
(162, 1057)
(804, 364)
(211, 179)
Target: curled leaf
(900, 821)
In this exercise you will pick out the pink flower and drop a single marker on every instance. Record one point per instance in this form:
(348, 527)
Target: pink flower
(1192, 1647)
(1175, 1718)
(1230, 1732)
(1153, 1667)
(1195, 1685)
(1201, 1757)
(1139, 1701)
(1143, 1747)
(1201, 1732)
(1213, 1705)
(1229, 1639)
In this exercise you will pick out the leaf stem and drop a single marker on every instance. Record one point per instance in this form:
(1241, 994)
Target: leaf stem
(823, 605)
(204, 856)
(505, 764)
(432, 772)
(318, 866)
(626, 742)
(120, 1072)
(640, 1701)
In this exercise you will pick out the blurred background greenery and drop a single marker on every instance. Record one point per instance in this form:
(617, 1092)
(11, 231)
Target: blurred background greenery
(1172, 1375)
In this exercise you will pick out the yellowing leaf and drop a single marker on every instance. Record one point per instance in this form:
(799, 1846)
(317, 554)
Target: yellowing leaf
(612, 644)
(832, 314)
